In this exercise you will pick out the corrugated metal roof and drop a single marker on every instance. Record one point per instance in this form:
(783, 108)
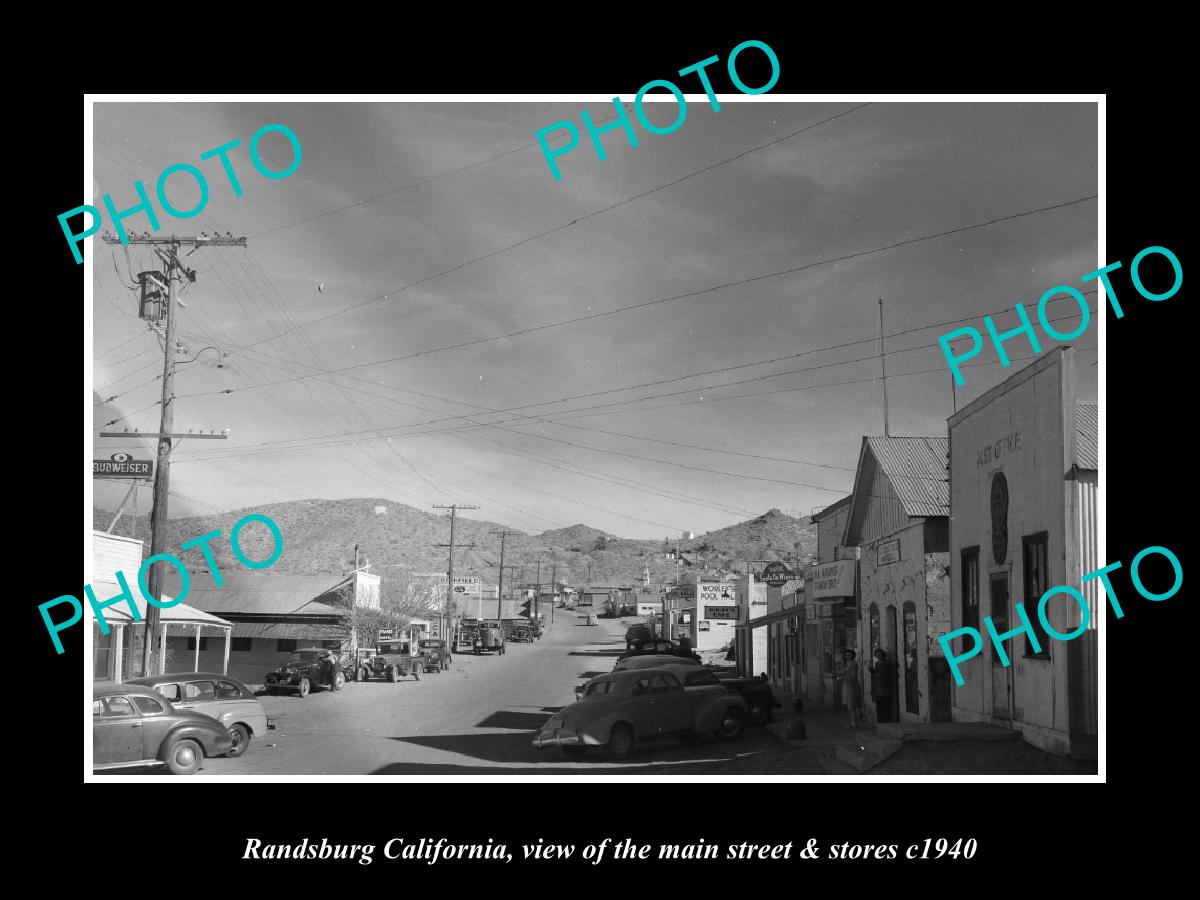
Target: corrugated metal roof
(259, 594)
(1087, 443)
(916, 467)
(280, 631)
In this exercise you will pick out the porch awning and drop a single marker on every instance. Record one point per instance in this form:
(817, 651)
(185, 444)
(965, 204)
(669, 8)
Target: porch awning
(181, 614)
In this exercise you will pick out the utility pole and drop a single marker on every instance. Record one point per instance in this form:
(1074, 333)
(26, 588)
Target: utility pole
(500, 587)
(553, 590)
(167, 249)
(883, 363)
(448, 613)
(537, 594)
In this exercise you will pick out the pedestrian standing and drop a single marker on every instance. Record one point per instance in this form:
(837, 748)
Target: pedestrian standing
(883, 686)
(850, 687)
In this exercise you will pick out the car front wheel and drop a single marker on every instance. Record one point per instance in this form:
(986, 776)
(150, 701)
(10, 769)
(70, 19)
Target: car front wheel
(339, 681)
(417, 672)
(732, 722)
(241, 740)
(620, 741)
(185, 757)
(305, 687)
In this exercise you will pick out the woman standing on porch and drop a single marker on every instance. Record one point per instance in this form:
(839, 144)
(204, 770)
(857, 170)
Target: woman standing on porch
(883, 686)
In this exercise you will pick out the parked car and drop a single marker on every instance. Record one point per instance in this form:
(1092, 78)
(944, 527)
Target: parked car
(622, 708)
(312, 667)
(225, 699)
(489, 638)
(435, 654)
(657, 646)
(133, 725)
(645, 662)
(393, 660)
(521, 634)
(756, 691)
(593, 619)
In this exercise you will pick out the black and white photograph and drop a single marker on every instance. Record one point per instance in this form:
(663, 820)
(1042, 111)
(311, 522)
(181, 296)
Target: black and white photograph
(690, 434)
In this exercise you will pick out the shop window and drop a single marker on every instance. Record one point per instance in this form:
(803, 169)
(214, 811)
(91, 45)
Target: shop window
(1035, 558)
(191, 643)
(873, 615)
(285, 645)
(970, 591)
(241, 645)
(331, 645)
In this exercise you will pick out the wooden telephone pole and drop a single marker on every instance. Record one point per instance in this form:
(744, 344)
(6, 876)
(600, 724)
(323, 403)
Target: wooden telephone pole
(500, 586)
(448, 613)
(167, 249)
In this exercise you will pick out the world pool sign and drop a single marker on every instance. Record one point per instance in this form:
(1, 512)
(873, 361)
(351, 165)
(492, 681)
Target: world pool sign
(122, 465)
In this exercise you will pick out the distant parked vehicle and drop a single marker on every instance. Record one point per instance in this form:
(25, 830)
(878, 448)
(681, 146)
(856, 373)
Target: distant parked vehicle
(659, 647)
(593, 619)
(134, 725)
(393, 660)
(521, 634)
(618, 710)
(489, 638)
(435, 654)
(312, 667)
(225, 699)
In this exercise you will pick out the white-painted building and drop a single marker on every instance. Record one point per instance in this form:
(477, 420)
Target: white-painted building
(1023, 502)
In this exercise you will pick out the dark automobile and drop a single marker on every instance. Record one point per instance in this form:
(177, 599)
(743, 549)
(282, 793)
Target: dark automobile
(435, 655)
(657, 646)
(646, 662)
(393, 660)
(521, 634)
(133, 725)
(225, 699)
(622, 708)
(760, 699)
(488, 638)
(309, 668)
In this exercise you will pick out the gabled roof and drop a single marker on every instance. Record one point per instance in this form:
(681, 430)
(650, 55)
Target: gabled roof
(261, 594)
(1087, 424)
(916, 469)
(916, 466)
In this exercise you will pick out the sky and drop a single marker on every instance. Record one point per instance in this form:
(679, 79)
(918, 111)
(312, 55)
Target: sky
(397, 325)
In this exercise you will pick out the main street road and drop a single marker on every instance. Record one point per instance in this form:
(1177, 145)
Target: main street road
(476, 718)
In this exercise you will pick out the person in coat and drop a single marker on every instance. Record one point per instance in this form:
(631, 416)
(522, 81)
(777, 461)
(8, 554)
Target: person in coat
(883, 686)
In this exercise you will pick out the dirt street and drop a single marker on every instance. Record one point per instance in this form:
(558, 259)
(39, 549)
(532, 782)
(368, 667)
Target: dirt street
(476, 718)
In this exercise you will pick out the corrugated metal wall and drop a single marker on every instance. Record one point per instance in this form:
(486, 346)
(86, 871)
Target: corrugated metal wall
(1086, 499)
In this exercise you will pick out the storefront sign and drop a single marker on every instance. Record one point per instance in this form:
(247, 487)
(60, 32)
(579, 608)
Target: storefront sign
(718, 593)
(721, 612)
(834, 579)
(888, 552)
(776, 574)
(122, 465)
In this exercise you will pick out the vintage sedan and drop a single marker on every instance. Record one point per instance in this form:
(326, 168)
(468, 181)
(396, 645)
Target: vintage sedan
(620, 709)
(760, 699)
(305, 670)
(225, 699)
(133, 725)
(657, 647)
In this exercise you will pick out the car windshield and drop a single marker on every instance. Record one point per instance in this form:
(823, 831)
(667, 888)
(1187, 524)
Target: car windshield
(390, 648)
(309, 656)
(598, 687)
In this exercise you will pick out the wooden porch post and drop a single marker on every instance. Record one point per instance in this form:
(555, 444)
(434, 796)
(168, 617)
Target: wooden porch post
(225, 664)
(196, 659)
(162, 649)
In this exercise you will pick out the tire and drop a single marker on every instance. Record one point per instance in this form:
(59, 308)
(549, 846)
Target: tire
(305, 687)
(620, 741)
(759, 714)
(416, 672)
(184, 757)
(339, 680)
(364, 674)
(574, 751)
(241, 740)
(271, 690)
(732, 723)
(392, 675)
